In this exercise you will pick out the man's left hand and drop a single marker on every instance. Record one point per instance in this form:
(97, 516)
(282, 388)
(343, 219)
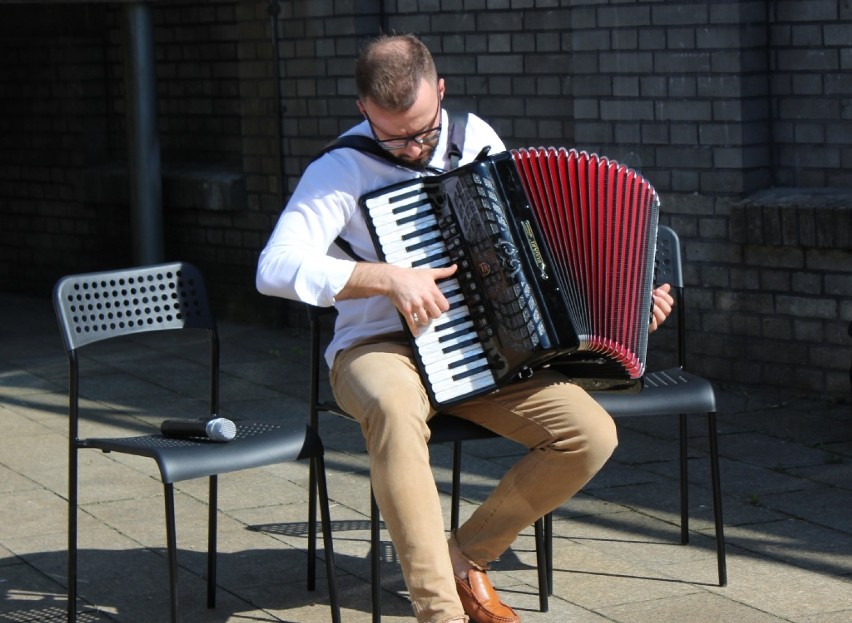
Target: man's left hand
(663, 304)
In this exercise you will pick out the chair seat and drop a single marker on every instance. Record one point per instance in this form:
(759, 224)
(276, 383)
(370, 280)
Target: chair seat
(445, 428)
(255, 444)
(665, 392)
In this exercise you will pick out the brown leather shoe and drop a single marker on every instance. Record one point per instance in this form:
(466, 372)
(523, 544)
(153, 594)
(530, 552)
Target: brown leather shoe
(480, 600)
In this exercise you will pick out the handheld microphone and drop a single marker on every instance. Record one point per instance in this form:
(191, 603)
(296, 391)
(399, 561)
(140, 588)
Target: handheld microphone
(216, 429)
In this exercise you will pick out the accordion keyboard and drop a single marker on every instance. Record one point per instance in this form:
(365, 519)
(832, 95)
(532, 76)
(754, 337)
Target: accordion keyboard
(451, 356)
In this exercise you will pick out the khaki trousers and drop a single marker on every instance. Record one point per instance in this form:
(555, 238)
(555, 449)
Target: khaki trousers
(569, 436)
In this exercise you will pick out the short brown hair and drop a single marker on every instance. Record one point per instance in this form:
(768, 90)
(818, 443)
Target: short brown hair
(390, 69)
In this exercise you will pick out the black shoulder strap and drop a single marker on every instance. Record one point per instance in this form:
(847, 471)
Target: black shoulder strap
(455, 149)
(455, 144)
(361, 143)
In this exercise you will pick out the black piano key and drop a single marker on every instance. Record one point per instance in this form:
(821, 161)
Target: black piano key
(463, 375)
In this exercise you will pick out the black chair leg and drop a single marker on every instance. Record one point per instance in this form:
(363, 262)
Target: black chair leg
(541, 563)
(72, 536)
(312, 525)
(684, 481)
(456, 491)
(171, 546)
(375, 558)
(212, 530)
(319, 468)
(717, 500)
(548, 550)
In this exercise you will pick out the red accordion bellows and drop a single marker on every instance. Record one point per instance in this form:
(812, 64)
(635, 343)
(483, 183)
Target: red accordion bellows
(599, 219)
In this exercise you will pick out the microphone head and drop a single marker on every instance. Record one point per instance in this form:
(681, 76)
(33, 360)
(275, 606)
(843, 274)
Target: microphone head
(221, 429)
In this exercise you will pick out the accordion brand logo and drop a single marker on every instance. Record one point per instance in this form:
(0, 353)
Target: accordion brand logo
(536, 251)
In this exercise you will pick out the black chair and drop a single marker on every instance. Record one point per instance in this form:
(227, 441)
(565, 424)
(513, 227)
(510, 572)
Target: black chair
(672, 391)
(669, 391)
(444, 428)
(100, 306)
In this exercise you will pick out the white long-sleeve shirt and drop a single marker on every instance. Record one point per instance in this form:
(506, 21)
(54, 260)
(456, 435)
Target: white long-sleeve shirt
(299, 261)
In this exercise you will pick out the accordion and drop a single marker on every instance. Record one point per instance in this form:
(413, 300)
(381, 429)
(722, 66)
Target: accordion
(555, 255)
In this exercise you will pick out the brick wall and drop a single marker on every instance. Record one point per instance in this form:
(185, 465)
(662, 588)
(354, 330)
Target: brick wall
(811, 68)
(714, 101)
(53, 124)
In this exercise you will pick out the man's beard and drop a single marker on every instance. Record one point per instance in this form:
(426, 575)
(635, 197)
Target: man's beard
(423, 159)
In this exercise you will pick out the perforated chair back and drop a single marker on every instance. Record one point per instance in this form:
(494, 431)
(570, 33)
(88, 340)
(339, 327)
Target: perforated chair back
(98, 306)
(668, 266)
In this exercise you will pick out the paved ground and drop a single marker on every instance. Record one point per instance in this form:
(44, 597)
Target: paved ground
(786, 473)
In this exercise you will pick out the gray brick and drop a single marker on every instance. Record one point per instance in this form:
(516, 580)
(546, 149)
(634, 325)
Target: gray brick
(652, 38)
(681, 87)
(593, 85)
(499, 64)
(672, 14)
(548, 20)
(682, 62)
(684, 181)
(455, 21)
(591, 132)
(623, 63)
(777, 328)
(627, 133)
(812, 10)
(496, 21)
(744, 302)
(586, 108)
(719, 134)
(806, 307)
(775, 280)
(696, 157)
(623, 110)
(627, 86)
(682, 110)
(624, 16)
(808, 60)
(585, 63)
(831, 260)
(591, 40)
(547, 64)
(718, 37)
(745, 278)
(714, 182)
(655, 133)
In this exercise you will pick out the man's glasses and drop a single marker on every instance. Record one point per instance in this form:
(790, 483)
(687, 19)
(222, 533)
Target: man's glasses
(426, 137)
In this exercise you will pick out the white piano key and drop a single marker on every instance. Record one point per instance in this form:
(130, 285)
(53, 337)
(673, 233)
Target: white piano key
(392, 247)
(409, 259)
(391, 218)
(380, 210)
(453, 389)
(396, 196)
(445, 357)
(439, 375)
(456, 310)
(433, 342)
(423, 222)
